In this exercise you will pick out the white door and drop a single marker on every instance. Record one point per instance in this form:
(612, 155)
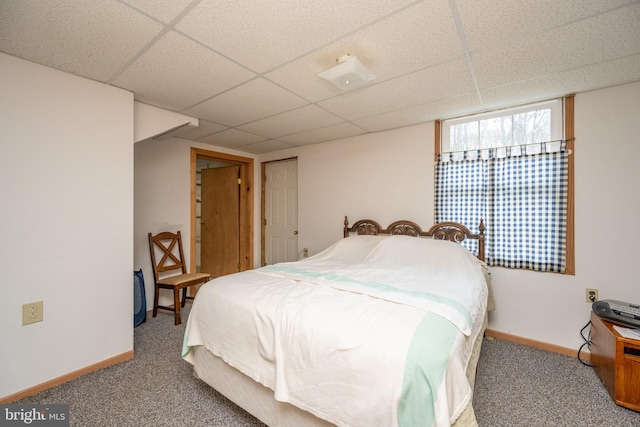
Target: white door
(281, 211)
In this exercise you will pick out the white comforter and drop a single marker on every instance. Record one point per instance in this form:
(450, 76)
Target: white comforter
(372, 331)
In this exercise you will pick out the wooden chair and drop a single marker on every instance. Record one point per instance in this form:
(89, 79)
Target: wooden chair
(169, 247)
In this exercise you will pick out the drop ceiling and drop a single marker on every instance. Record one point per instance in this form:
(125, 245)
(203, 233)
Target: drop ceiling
(247, 69)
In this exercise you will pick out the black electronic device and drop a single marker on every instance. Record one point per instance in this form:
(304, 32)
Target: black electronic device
(618, 312)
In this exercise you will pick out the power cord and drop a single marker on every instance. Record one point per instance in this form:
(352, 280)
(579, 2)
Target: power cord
(587, 342)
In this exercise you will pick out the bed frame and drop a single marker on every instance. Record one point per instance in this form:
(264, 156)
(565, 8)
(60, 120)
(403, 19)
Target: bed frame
(442, 231)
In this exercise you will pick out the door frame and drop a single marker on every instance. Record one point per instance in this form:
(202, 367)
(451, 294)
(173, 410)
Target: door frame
(246, 203)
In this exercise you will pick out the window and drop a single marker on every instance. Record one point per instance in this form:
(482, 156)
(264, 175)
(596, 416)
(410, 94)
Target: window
(516, 127)
(513, 169)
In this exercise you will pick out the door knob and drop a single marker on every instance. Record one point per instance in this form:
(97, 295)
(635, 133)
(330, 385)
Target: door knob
(295, 232)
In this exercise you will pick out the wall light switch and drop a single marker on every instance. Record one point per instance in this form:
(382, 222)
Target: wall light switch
(32, 312)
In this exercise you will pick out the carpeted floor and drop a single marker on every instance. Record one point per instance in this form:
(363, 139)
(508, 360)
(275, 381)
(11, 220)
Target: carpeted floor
(155, 388)
(516, 386)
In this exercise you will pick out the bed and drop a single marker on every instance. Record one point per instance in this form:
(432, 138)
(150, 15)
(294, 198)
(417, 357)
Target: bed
(383, 328)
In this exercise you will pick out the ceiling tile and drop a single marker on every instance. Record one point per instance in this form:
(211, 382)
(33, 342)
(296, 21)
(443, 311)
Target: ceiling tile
(182, 61)
(264, 34)
(418, 37)
(441, 81)
(231, 138)
(569, 47)
(301, 119)
(265, 146)
(204, 128)
(604, 74)
(301, 76)
(79, 40)
(619, 71)
(522, 92)
(329, 133)
(251, 101)
(491, 23)
(452, 107)
(164, 10)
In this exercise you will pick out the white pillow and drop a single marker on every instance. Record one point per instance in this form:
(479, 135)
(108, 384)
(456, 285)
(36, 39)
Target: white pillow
(352, 249)
(408, 251)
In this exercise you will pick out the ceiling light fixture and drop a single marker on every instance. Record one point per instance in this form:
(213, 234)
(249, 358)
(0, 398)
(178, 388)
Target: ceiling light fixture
(348, 74)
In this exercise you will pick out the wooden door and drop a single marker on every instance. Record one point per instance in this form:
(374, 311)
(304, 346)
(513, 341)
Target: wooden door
(281, 211)
(220, 223)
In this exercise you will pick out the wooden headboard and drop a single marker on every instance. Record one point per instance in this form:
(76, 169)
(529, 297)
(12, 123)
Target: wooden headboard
(442, 231)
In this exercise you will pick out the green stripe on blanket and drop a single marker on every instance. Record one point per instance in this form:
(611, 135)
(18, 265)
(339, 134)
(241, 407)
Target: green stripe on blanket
(424, 370)
(383, 287)
(185, 347)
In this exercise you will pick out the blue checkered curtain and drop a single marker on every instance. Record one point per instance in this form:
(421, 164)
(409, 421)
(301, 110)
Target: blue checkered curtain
(528, 211)
(522, 198)
(461, 193)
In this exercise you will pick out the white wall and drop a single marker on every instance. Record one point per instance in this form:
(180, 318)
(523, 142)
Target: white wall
(384, 176)
(66, 188)
(389, 175)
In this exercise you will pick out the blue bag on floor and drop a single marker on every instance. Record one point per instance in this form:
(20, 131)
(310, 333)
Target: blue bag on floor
(139, 299)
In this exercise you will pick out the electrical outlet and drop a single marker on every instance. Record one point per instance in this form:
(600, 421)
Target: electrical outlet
(32, 313)
(591, 295)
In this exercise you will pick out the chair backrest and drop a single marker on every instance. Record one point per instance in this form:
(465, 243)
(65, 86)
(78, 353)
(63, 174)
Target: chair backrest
(168, 246)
